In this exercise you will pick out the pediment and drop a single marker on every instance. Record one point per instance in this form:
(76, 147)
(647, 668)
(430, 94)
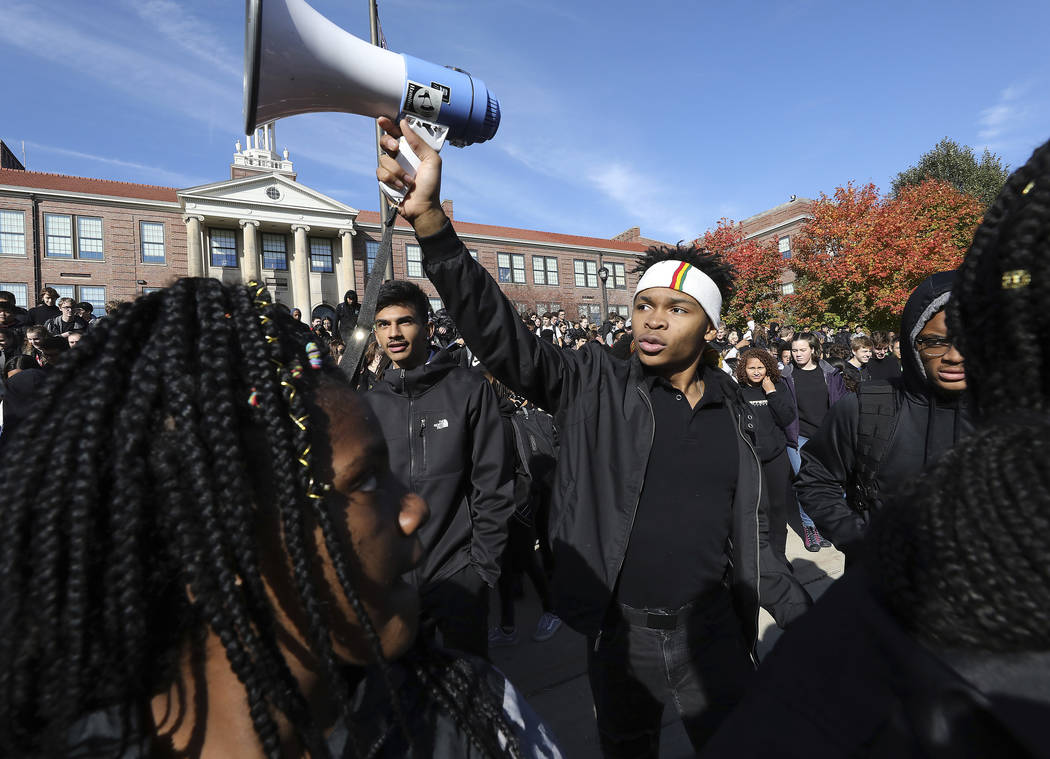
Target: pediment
(272, 194)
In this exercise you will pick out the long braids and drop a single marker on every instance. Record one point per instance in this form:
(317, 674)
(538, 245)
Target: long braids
(968, 568)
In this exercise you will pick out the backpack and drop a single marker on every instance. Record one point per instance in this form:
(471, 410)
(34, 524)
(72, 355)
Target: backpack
(536, 449)
(878, 408)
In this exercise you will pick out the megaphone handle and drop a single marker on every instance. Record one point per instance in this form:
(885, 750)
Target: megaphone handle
(409, 162)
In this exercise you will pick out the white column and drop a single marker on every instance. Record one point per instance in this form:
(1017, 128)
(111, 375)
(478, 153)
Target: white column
(344, 272)
(300, 271)
(194, 246)
(251, 269)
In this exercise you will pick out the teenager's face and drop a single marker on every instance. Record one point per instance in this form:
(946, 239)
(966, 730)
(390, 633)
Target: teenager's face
(670, 329)
(36, 340)
(721, 332)
(862, 354)
(73, 338)
(67, 311)
(944, 372)
(755, 370)
(879, 353)
(785, 356)
(734, 337)
(802, 353)
(402, 336)
(8, 343)
(7, 317)
(379, 520)
(49, 299)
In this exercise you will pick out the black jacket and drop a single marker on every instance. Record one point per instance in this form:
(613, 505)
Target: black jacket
(605, 425)
(57, 327)
(926, 426)
(883, 694)
(446, 438)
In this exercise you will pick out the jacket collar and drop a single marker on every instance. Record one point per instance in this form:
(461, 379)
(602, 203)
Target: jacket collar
(417, 381)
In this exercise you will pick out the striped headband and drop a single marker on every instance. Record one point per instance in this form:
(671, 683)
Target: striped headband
(686, 278)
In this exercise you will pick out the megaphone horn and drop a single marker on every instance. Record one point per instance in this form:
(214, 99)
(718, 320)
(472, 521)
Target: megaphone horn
(297, 61)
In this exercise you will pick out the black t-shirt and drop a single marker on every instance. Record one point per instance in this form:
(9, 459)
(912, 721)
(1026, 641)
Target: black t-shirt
(769, 437)
(677, 548)
(887, 368)
(40, 314)
(811, 390)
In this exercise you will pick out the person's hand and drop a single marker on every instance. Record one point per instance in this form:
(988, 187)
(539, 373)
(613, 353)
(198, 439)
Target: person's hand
(767, 385)
(422, 204)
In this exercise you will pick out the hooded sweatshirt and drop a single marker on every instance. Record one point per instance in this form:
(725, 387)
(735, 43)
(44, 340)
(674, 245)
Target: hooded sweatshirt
(927, 423)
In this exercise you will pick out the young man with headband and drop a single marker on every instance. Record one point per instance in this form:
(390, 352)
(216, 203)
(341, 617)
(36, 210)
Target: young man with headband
(658, 516)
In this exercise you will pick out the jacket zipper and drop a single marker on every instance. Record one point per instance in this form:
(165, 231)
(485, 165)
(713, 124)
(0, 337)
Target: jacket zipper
(758, 505)
(411, 448)
(638, 498)
(423, 437)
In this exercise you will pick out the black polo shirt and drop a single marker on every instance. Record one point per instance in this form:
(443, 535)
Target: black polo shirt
(677, 549)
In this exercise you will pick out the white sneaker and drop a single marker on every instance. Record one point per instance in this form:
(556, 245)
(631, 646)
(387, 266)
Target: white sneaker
(547, 626)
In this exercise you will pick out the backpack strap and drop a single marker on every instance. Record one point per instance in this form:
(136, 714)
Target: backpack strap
(877, 405)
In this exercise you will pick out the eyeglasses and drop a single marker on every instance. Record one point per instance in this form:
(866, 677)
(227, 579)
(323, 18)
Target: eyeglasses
(933, 346)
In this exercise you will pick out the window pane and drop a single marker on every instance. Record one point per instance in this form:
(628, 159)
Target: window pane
(12, 233)
(89, 237)
(64, 291)
(414, 255)
(579, 269)
(321, 255)
(538, 271)
(152, 235)
(96, 296)
(59, 232)
(503, 267)
(275, 252)
(518, 261)
(552, 271)
(371, 251)
(224, 248)
(20, 290)
(784, 246)
(435, 304)
(619, 276)
(473, 254)
(788, 289)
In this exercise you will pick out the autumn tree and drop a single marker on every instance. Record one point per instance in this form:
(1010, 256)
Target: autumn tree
(958, 166)
(758, 267)
(861, 255)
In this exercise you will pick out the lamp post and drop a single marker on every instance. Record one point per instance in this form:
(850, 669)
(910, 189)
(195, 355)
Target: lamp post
(603, 274)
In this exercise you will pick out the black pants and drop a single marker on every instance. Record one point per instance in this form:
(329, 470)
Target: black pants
(459, 607)
(703, 664)
(520, 555)
(782, 506)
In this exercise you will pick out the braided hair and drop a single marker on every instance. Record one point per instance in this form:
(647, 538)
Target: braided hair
(968, 569)
(146, 539)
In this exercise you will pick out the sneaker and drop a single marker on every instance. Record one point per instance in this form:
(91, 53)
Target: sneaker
(499, 637)
(811, 538)
(547, 626)
(821, 540)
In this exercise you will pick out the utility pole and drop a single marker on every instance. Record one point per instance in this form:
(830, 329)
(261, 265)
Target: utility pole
(384, 208)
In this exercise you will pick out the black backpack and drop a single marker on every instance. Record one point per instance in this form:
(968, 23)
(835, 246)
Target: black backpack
(878, 405)
(536, 448)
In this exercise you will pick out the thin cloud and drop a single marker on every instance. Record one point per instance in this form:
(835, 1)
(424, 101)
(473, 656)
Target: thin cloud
(150, 174)
(1005, 115)
(189, 32)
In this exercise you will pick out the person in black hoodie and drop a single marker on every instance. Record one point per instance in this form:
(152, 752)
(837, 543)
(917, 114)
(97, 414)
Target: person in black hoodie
(871, 442)
(935, 643)
(446, 438)
(658, 525)
(884, 364)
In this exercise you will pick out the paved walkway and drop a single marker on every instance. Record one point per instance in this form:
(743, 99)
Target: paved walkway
(553, 677)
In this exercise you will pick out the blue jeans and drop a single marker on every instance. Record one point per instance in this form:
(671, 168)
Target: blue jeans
(703, 664)
(796, 463)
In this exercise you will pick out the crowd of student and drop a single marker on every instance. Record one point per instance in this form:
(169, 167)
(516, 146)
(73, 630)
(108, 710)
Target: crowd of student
(214, 546)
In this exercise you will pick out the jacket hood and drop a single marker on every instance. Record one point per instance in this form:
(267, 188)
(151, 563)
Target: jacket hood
(422, 378)
(923, 304)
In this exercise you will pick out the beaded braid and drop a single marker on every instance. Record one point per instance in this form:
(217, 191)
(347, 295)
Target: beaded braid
(943, 569)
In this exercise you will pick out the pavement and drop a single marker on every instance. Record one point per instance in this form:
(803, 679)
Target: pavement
(552, 675)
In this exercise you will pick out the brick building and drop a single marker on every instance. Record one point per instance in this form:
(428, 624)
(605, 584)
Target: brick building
(96, 239)
(780, 223)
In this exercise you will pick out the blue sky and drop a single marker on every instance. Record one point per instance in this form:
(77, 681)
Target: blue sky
(661, 114)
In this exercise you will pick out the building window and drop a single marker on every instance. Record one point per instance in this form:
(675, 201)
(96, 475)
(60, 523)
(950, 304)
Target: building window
(544, 270)
(58, 231)
(548, 308)
(592, 311)
(89, 237)
(59, 238)
(321, 255)
(12, 233)
(473, 254)
(371, 251)
(275, 252)
(788, 288)
(20, 290)
(93, 294)
(624, 311)
(414, 259)
(224, 248)
(617, 277)
(511, 267)
(586, 273)
(148, 290)
(436, 304)
(784, 246)
(151, 233)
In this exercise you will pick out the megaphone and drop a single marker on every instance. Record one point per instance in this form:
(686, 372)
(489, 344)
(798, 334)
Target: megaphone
(297, 61)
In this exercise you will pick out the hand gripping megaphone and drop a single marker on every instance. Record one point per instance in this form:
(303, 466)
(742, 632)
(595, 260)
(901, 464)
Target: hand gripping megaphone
(297, 61)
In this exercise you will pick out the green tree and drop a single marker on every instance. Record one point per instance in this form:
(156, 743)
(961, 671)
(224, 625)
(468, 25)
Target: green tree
(958, 166)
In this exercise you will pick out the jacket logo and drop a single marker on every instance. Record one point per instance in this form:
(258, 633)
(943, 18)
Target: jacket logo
(441, 424)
